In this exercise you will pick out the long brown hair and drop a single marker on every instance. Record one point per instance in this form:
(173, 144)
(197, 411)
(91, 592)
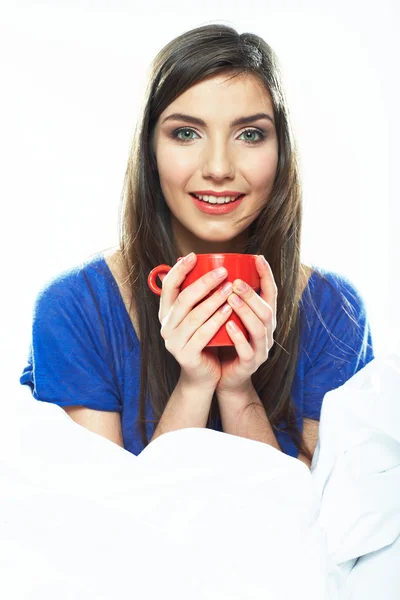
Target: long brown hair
(147, 238)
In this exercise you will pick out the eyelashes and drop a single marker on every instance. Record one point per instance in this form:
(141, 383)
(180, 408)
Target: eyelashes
(262, 135)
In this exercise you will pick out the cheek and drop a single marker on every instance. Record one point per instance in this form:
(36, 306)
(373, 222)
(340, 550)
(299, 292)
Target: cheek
(261, 170)
(174, 165)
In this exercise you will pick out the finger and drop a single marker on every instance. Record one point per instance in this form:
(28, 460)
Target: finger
(269, 290)
(259, 332)
(244, 350)
(188, 298)
(200, 315)
(263, 311)
(206, 332)
(171, 284)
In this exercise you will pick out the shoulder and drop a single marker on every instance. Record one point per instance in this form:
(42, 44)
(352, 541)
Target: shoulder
(78, 347)
(74, 286)
(334, 317)
(64, 285)
(333, 290)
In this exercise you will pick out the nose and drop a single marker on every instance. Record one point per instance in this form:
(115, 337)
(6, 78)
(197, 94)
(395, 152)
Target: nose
(217, 162)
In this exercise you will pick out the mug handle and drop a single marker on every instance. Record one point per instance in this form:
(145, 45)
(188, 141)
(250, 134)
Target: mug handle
(151, 280)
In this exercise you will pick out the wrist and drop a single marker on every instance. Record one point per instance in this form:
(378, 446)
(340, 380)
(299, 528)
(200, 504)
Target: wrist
(188, 406)
(189, 387)
(246, 390)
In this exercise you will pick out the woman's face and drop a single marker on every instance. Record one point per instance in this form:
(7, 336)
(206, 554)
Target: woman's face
(216, 155)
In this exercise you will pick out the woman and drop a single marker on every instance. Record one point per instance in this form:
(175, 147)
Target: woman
(130, 366)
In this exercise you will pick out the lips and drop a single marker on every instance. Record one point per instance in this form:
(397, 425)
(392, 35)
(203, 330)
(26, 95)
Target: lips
(233, 198)
(231, 193)
(217, 209)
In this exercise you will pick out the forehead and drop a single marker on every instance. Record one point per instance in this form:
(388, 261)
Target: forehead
(220, 93)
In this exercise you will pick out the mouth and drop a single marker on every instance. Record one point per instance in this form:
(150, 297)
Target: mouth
(217, 206)
(214, 200)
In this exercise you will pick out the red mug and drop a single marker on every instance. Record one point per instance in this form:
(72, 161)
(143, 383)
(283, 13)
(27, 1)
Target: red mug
(239, 266)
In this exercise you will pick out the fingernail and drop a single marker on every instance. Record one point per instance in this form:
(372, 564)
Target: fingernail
(262, 260)
(227, 288)
(235, 300)
(220, 272)
(226, 308)
(188, 258)
(240, 286)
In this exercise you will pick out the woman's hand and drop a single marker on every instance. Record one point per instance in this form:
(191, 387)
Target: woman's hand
(258, 314)
(187, 330)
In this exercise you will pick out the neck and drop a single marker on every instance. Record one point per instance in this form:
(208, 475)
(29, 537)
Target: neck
(188, 242)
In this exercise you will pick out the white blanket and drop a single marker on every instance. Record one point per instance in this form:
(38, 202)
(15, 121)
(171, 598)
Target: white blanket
(356, 470)
(204, 515)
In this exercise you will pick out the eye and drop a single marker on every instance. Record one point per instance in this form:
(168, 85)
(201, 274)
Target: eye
(258, 132)
(184, 135)
(184, 130)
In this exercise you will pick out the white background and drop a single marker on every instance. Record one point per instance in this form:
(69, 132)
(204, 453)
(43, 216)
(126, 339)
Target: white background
(72, 76)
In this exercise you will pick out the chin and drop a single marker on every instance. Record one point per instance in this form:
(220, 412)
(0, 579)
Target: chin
(216, 238)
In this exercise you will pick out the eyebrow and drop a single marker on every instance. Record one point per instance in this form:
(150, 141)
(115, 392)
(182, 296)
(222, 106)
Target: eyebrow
(197, 121)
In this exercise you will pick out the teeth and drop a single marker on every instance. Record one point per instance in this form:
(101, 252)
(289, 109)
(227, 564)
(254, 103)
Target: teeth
(215, 200)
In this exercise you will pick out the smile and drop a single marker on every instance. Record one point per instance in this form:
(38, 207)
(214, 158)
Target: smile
(212, 205)
(217, 200)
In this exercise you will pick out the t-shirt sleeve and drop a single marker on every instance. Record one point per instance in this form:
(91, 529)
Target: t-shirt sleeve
(340, 341)
(68, 361)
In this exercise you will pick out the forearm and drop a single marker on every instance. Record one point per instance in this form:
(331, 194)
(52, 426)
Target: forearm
(243, 414)
(188, 406)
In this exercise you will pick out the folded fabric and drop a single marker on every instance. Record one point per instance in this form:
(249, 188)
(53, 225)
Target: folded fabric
(198, 514)
(356, 471)
(205, 515)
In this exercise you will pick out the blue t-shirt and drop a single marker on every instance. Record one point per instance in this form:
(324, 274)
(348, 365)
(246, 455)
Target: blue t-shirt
(84, 349)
